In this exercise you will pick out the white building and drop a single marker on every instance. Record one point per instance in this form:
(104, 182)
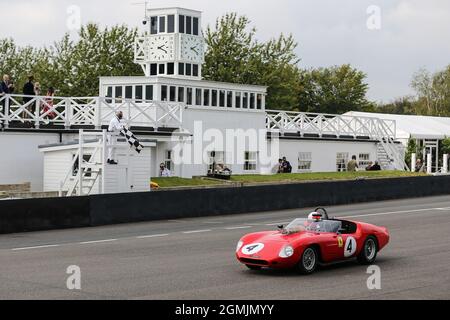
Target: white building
(188, 123)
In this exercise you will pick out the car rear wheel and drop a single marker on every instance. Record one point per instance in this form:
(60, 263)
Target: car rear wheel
(253, 267)
(369, 251)
(308, 261)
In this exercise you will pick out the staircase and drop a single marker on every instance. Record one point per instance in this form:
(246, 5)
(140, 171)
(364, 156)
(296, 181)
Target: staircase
(90, 166)
(388, 149)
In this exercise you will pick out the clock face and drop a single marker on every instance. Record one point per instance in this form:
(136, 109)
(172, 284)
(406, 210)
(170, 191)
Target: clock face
(161, 48)
(192, 48)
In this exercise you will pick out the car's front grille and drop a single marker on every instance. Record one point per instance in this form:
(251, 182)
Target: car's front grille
(255, 261)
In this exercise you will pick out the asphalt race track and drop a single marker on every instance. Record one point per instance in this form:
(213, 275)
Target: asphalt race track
(194, 259)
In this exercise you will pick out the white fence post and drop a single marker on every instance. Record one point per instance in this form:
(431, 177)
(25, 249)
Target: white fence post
(6, 110)
(429, 163)
(445, 164)
(413, 162)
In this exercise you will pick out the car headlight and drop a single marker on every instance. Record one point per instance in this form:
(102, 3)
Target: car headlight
(286, 252)
(239, 245)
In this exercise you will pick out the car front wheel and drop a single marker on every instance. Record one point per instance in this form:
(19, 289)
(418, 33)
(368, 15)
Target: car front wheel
(368, 253)
(308, 261)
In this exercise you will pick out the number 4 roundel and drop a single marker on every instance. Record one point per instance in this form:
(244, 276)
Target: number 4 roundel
(350, 247)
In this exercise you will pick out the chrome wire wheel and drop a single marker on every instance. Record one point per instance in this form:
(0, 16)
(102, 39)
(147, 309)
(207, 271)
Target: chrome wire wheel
(309, 259)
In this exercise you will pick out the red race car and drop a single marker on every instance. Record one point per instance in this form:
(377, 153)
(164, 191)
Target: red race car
(306, 242)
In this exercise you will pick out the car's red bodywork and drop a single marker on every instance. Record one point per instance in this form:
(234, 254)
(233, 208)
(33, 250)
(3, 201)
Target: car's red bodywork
(331, 246)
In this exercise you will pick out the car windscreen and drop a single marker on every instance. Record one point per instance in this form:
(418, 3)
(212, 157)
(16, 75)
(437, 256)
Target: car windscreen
(299, 225)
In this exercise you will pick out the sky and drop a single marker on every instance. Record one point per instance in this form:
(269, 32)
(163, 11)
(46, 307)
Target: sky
(389, 40)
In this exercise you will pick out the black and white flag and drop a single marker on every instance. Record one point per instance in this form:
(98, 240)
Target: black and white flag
(132, 140)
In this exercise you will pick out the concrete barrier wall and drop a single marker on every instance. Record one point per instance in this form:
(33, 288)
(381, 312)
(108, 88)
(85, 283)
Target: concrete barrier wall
(38, 214)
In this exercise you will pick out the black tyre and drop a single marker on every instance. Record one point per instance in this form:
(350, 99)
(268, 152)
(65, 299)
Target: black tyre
(253, 267)
(369, 251)
(308, 261)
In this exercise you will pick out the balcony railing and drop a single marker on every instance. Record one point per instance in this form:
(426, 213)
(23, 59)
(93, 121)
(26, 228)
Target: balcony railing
(329, 124)
(88, 111)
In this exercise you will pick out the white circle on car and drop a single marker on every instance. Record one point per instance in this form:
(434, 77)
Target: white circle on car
(253, 248)
(350, 247)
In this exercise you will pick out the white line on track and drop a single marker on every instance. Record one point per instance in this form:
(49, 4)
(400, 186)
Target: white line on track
(394, 212)
(153, 236)
(98, 241)
(197, 231)
(36, 247)
(236, 228)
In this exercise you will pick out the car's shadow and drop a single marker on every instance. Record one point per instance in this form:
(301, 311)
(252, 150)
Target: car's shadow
(350, 265)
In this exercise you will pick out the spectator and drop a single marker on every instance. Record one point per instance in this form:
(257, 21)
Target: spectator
(352, 165)
(369, 166)
(48, 105)
(286, 166)
(28, 90)
(163, 171)
(420, 167)
(375, 167)
(280, 166)
(7, 86)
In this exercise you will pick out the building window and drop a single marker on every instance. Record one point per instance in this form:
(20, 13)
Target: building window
(363, 160)
(163, 93)
(188, 69)
(148, 93)
(138, 93)
(304, 161)
(168, 160)
(198, 97)
(109, 94)
(188, 25)
(189, 96)
(195, 70)
(153, 69)
(181, 69)
(250, 161)
(252, 101)
(206, 97)
(171, 68)
(195, 26)
(229, 99)
(162, 24)
(214, 98)
(154, 25)
(171, 23)
(245, 101)
(162, 68)
(173, 92)
(118, 92)
(341, 161)
(238, 99)
(180, 94)
(259, 101)
(181, 23)
(128, 92)
(222, 98)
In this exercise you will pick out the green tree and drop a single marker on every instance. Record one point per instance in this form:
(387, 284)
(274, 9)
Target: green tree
(234, 55)
(403, 105)
(336, 89)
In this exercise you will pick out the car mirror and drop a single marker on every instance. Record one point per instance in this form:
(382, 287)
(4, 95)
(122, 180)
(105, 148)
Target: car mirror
(281, 227)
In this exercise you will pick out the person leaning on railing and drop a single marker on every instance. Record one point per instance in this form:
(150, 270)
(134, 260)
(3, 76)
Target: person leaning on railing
(28, 91)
